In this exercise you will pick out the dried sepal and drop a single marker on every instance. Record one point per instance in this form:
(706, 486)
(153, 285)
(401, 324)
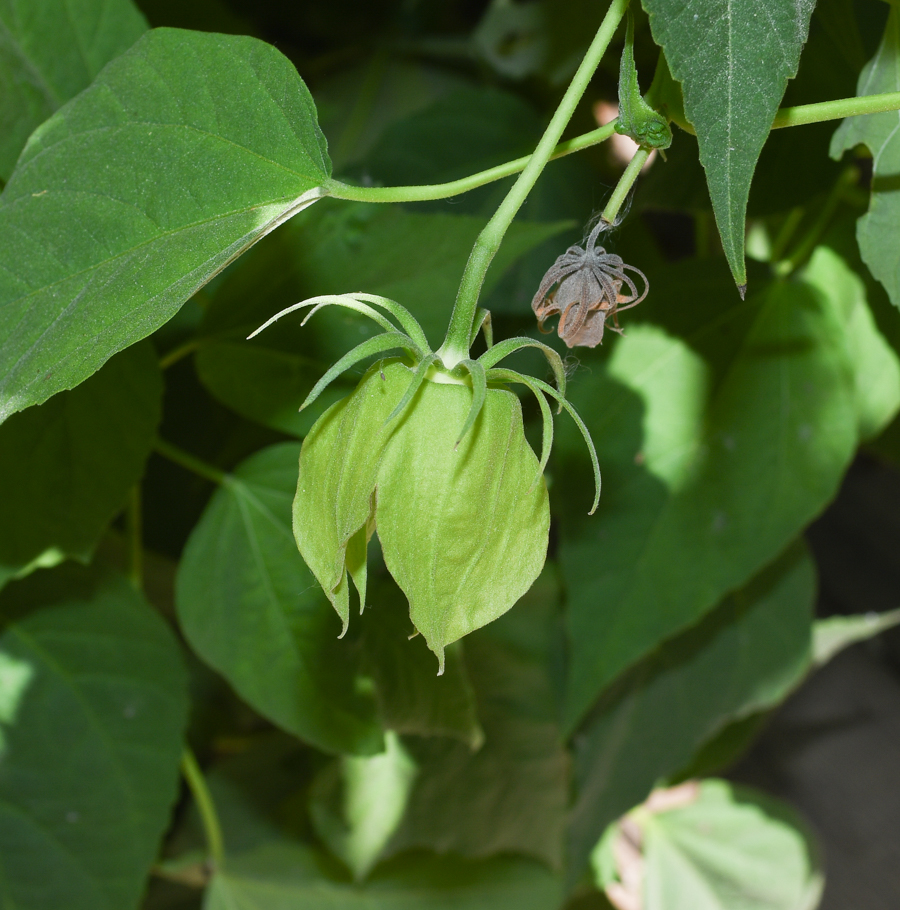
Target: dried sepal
(586, 287)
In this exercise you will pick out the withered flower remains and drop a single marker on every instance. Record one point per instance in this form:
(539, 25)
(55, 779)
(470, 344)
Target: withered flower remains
(584, 286)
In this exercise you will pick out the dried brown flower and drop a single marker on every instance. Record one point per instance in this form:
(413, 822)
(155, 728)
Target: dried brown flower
(584, 286)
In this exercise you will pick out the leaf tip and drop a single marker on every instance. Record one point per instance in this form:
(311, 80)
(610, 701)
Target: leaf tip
(742, 290)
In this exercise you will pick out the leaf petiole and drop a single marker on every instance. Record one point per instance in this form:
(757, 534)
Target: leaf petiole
(196, 782)
(188, 461)
(427, 192)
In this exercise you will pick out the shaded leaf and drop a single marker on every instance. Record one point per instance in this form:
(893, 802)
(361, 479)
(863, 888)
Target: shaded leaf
(184, 152)
(252, 610)
(716, 451)
(49, 52)
(744, 657)
(414, 259)
(512, 794)
(91, 747)
(288, 877)
(877, 230)
(356, 105)
(734, 59)
(411, 698)
(67, 466)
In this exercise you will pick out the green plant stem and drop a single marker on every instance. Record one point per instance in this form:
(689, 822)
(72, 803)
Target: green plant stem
(135, 542)
(179, 353)
(812, 237)
(339, 190)
(785, 235)
(459, 333)
(836, 110)
(188, 461)
(205, 806)
(626, 181)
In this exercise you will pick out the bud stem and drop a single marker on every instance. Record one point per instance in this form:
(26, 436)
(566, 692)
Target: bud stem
(456, 344)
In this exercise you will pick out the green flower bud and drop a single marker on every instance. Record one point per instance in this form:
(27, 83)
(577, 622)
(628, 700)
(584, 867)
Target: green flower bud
(462, 522)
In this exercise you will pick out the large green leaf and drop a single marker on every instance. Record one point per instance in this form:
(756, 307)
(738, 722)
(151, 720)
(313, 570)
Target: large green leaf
(717, 448)
(253, 611)
(878, 229)
(94, 703)
(185, 151)
(511, 794)
(67, 466)
(744, 657)
(49, 51)
(722, 848)
(291, 877)
(734, 59)
(414, 259)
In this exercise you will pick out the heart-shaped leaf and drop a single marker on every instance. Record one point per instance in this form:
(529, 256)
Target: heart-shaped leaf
(184, 152)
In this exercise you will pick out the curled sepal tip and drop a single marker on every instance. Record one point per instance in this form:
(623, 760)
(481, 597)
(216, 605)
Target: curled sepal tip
(538, 386)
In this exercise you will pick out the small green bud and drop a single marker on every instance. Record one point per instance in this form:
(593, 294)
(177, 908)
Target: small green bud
(637, 119)
(463, 522)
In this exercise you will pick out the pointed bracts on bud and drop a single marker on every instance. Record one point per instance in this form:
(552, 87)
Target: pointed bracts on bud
(463, 528)
(433, 458)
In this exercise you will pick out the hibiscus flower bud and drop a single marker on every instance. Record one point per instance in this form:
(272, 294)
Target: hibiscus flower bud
(462, 515)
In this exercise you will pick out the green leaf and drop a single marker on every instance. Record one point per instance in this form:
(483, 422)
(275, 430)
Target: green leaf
(462, 524)
(730, 848)
(511, 795)
(250, 608)
(49, 52)
(412, 258)
(832, 635)
(183, 153)
(288, 877)
(94, 706)
(67, 466)
(742, 658)
(717, 448)
(877, 230)
(734, 59)
(356, 803)
(411, 699)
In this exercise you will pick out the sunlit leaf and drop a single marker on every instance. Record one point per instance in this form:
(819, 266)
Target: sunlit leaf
(183, 153)
(718, 444)
(877, 230)
(725, 848)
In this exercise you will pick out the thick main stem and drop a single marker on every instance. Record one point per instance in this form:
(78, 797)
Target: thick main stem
(456, 344)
